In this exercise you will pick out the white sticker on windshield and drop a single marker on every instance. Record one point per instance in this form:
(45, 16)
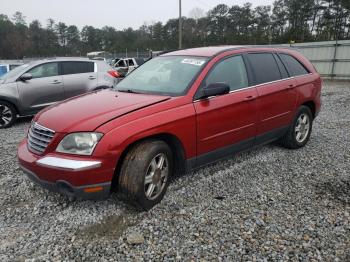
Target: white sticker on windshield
(191, 61)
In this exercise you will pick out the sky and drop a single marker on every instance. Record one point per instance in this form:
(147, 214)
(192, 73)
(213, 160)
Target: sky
(119, 14)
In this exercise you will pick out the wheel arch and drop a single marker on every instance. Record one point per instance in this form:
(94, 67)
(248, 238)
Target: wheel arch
(175, 145)
(9, 101)
(312, 106)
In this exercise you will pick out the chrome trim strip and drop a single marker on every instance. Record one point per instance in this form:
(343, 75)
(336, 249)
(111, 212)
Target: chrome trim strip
(42, 133)
(42, 138)
(42, 127)
(46, 104)
(280, 115)
(226, 132)
(38, 143)
(255, 86)
(35, 148)
(67, 164)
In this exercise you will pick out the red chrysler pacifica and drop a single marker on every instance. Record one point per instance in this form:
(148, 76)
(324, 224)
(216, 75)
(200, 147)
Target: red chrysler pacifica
(177, 112)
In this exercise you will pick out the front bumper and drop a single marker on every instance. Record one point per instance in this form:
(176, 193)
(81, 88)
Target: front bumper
(67, 189)
(79, 177)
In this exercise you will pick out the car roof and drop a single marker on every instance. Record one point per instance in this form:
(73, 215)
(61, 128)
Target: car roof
(61, 59)
(214, 50)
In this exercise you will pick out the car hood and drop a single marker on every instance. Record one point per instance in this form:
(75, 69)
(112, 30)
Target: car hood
(89, 111)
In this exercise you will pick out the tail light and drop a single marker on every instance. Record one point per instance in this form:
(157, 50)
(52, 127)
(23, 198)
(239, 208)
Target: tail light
(114, 73)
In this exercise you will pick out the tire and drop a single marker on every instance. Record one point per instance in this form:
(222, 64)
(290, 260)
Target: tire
(141, 162)
(8, 114)
(299, 132)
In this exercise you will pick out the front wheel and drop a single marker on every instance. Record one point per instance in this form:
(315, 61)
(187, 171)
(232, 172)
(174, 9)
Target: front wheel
(8, 114)
(145, 173)
(299, 132)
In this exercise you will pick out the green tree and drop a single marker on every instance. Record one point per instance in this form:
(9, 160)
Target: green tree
(73, 40)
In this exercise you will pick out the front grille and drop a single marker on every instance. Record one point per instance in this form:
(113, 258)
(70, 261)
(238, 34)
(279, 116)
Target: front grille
(39, 138)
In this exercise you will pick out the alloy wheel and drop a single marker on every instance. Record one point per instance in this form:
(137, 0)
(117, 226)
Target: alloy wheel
(6, 115)
(156, 176)
(302, 128)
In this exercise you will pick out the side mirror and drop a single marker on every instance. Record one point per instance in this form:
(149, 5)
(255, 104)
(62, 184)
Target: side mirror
(215, 89)
(26, 77)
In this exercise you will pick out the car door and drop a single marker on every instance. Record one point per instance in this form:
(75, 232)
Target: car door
(45, 87)
(276, 96)
(226, 123)
(78, 77)
(299, 72)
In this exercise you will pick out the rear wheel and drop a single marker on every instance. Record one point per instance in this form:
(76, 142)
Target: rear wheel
(299, 132)
(8, 114)
(145, 173)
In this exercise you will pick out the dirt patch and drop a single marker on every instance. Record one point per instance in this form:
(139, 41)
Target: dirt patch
(110, 227)
(338, 190)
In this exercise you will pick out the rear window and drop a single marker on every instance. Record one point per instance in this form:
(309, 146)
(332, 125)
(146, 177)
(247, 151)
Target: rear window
(70, 68)
(295, 68)
(265, 68)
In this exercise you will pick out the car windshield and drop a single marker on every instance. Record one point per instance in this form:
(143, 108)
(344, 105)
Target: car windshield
(14, 72)
(168, 75)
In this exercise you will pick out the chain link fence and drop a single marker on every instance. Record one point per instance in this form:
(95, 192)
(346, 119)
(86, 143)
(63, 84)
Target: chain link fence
(331, 58)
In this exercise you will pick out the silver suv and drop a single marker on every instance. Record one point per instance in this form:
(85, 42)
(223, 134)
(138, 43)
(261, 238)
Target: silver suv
(28, 88)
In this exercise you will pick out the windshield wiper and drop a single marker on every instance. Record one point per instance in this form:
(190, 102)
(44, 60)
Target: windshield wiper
(127, 91)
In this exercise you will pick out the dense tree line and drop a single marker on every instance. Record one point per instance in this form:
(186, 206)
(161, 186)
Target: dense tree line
(284, 21)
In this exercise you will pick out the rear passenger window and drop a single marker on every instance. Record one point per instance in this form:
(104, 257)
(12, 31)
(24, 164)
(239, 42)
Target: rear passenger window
(264, 67)
(70, 68)
(294, 67)
(231, 71)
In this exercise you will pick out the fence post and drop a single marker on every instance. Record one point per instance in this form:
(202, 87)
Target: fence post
(334, 59)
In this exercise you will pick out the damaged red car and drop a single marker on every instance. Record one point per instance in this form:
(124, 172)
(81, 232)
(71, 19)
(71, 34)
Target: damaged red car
(175, 113)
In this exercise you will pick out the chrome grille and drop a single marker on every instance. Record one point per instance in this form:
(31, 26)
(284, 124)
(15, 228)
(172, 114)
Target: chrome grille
(39, 138)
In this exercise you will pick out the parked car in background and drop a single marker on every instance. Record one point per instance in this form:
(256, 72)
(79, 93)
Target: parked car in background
(29, 88)
(125, 66)
(113, 61)
(214, 102)
(4, 68)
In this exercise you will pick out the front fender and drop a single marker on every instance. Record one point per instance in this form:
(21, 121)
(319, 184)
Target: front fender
(179, 122)
(9, 93)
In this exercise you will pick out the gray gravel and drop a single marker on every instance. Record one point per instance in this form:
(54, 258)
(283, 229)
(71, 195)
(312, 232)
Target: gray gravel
(266, 204)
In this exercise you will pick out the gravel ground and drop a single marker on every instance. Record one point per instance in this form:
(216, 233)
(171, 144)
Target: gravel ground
(266, 204)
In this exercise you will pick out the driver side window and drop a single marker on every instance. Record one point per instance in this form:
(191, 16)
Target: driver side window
(45, 70)
(231, 71)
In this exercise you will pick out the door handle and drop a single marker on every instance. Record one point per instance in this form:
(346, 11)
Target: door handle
(291, 86)
(55, 82)
(92, 77)
(250, 98)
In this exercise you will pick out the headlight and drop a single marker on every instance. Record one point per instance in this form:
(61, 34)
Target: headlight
(79, 143)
